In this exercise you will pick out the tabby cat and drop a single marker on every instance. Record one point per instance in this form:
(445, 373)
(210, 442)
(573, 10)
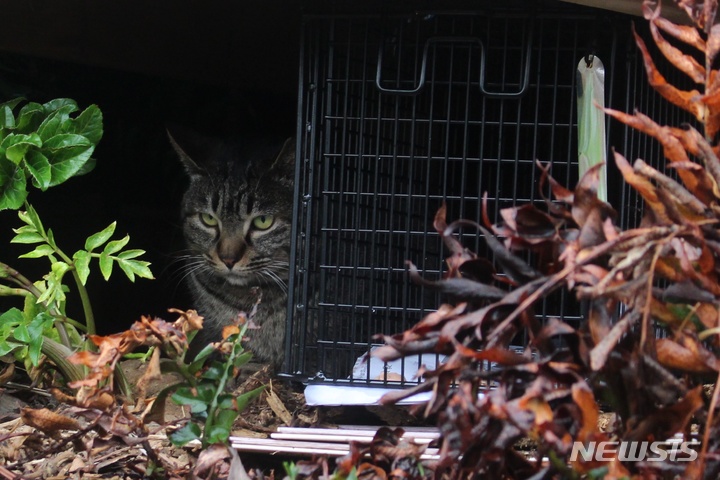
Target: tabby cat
(236, 223)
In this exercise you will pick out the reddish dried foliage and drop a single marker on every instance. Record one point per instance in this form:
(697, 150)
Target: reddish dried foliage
(663, 272)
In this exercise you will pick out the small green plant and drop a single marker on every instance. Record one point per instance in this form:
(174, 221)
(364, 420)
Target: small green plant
(205, 390)
(43, 146)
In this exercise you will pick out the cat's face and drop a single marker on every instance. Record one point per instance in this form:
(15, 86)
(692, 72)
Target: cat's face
(237, 211)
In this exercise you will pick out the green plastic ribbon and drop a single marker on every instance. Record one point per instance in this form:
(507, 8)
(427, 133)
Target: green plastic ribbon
(591, 119)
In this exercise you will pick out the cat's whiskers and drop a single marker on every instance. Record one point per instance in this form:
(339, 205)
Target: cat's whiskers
(269, 274)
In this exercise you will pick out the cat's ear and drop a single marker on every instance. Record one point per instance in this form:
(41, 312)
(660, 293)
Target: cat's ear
(191, 167)
(284, 164)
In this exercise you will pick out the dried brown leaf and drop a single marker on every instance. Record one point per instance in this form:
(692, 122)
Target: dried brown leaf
(685, 33)
(701, 13)
(599, 354)
(48, 421)
(561, 194)
(685, 63)
(687, 100)
(584, 398)
(685, 353)
(644, 187)
(696, 143)
(683, 199)
(667, 421)
(152, 373)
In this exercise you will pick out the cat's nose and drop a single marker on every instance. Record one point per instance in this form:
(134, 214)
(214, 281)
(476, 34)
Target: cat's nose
(229, 261)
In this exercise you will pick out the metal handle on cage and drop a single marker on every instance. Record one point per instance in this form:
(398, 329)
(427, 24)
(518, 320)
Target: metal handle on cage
(481, 82)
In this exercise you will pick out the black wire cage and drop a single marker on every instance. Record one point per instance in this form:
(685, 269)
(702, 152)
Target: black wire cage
(400, 113)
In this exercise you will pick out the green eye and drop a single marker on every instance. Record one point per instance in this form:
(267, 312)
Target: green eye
(263, 222)
(209, 219)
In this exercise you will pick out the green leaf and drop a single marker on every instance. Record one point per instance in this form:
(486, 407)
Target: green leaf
(89, 124)
(7, 119)
(242, 359)
(67, 153)
(116, 245)
(106, 264)
(29, 118)
(27, 237)
(185, 396)
(87, 168)
(81, 260)
(186, 434)
(245, 398)
(128, 254)
(31, 217)
(61, 103)
(16, 153)
(12, 317)
(12, 103)
(127, 270)
(59, 269)
(35, 350)
(13, 186)
(16, 145)
(56, 122)
(217, 434)
(39, 167)
(136, 267)
(41, 251)
(97, 239)
(214, 372)
(22, 334)
(8, 346)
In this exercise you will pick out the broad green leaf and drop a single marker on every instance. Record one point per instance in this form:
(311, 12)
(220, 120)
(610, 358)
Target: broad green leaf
(186, 434)
(22, 334)
(35, 350)
(61, 103)
(13, 103)
(89, 124)
(40, 322)
(81, 260)
(116, 245)
(27, 237)
(88, 167)
(16, 145)
(8, 346)
(12, 317)
(226, 417)
(13, 186)
(97, 239)
(217, 433)
(30, 117)
(41, 251)
(184, 396)
(55, 122)
(39, 167)
(67, 153)
(7, 119)
(215, 372)
(106, 264)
